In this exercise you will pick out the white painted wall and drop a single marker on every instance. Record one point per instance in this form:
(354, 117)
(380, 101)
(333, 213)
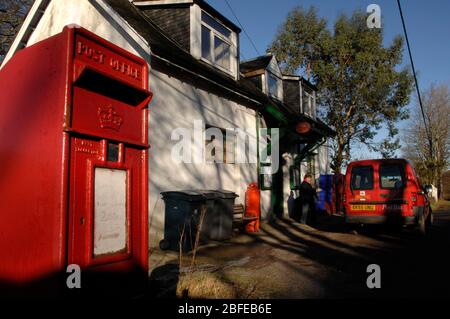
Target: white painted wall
(175, 104)
(274, 67)
(274, 70)
(95, 16)
(265, 195)
(323, 159)
(289, 161)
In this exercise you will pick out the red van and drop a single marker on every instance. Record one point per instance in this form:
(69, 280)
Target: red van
(385, 191)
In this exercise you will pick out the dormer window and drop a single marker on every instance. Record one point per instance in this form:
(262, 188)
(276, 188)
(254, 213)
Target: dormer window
(308, 102)
(199, 29)
(216, 42)
(274, 85)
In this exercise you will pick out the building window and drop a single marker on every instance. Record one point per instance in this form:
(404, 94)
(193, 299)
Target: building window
(220, 145)
(222, 53)
(273, 85)
(266, 182)
(308, 102)
(206, 44)
(294, 177)
(216, 42)
(265, 154)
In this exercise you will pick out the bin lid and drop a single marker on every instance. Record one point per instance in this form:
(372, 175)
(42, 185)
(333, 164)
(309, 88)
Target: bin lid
(187, 195)
(222, 193)
(198, 194)
(209, 194)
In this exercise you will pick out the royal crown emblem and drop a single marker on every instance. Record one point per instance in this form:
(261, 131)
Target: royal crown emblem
(109, 118)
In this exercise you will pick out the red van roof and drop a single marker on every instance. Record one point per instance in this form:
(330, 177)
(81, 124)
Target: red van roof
(379, 160)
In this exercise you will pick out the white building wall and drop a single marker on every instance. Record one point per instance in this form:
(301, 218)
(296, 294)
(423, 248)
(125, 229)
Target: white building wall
(288, 162)
(304, 169)
(265, 195)
(178, 105)
(323, 159)
(274, 68)
(175, 104)
(94, 16)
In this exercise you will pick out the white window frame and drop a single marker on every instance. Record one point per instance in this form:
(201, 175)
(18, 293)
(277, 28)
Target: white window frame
(216, 33)
(311, 97)
(279, 85)
(196, 43)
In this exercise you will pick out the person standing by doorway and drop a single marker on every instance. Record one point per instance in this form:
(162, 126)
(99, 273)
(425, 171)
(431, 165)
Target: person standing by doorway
(307, 196)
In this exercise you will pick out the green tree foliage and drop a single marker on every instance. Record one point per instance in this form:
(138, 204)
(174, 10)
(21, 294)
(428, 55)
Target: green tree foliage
(360, 87)
(12, 14)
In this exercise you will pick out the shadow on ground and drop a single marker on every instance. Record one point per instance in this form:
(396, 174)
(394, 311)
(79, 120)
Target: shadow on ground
(286, 259)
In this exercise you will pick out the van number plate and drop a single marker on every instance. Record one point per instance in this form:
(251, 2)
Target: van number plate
(363, 207)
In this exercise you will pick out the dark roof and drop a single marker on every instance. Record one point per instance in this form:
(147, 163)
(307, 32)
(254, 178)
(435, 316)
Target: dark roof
(302, 79)
(260, 62)
(309, 84)
(204, 5)
(218, 15)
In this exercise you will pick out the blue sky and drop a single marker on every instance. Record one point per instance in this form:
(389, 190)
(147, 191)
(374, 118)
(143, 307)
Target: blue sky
(428, 24)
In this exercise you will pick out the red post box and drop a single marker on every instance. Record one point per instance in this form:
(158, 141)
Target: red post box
(73, 163)
(252, 208)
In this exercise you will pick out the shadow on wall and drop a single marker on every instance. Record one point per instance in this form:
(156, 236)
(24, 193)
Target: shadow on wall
(178, 104)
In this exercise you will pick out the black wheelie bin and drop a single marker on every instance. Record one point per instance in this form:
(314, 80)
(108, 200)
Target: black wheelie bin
(218, 223)
(182, 218)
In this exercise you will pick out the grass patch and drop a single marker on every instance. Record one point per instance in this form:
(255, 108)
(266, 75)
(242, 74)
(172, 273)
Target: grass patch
(236, 283)
(441, 205)
(205, 285)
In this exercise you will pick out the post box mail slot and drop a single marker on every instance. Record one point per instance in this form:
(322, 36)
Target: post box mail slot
(108, 60)
(109, 92)
(73, 158)
(108, 108)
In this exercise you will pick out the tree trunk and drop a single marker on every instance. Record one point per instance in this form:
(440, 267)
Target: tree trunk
(338, 159)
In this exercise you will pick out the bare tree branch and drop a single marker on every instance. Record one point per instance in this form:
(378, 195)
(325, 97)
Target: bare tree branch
(12, 14)
(430, 163)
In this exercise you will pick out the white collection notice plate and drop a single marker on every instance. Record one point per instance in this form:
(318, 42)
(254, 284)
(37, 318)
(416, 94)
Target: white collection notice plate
(110, 207)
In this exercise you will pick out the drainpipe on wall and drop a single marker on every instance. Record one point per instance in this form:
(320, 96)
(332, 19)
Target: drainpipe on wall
(258, 176)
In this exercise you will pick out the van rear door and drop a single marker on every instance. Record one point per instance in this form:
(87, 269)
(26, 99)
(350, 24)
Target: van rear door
(392, 183)
(362, 189)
